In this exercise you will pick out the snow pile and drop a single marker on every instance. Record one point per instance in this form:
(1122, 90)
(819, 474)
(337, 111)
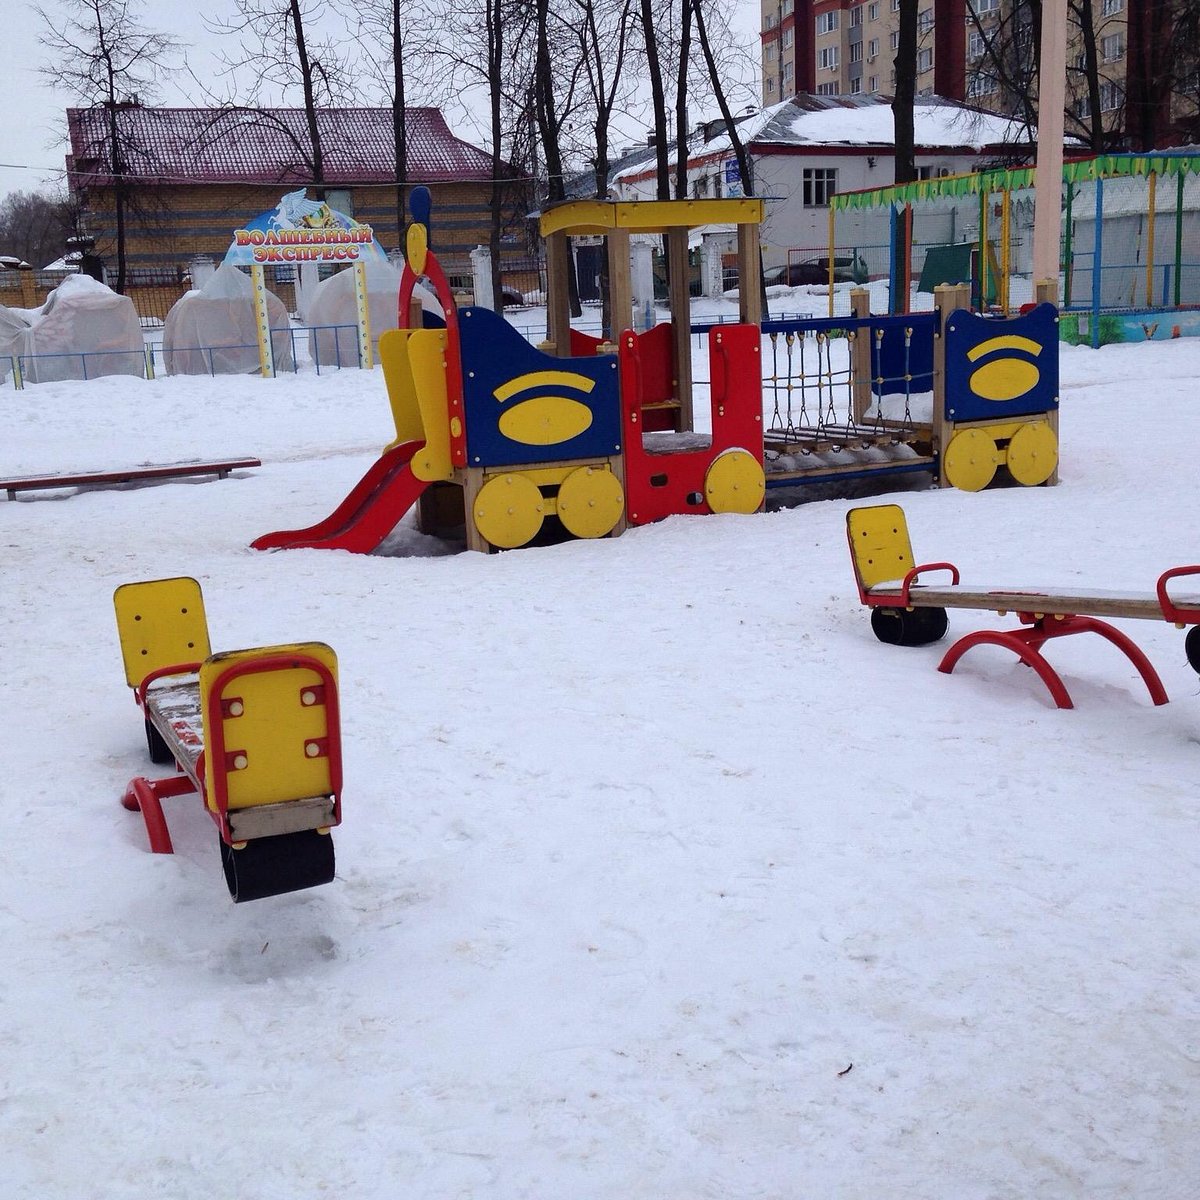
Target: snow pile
(660, 877)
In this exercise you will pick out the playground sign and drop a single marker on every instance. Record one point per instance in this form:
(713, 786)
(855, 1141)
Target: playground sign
(300, 230)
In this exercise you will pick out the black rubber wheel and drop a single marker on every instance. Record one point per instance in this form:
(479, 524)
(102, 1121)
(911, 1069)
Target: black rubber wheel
(1191, 647)
(271, 866)
(160, 752)
(902, 627)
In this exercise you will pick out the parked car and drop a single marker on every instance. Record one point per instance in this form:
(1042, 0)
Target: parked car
(815, 270)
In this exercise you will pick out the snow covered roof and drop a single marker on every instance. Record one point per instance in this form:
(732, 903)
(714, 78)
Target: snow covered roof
(206, 145)
(867, 120)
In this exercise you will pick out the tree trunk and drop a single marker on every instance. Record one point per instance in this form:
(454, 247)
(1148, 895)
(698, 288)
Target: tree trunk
(906, 91)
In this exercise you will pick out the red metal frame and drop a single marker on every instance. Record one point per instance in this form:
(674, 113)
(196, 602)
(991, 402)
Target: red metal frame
(454, 387)
(903, 599)
(175, 669)
(1180, 616)
(1026, 644)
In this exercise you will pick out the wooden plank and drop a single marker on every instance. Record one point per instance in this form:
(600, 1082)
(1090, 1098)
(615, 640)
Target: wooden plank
(25, 483)
(1050, 601)
(173, 708)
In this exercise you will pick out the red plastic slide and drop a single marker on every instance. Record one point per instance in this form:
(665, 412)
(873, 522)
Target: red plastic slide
(367, 515)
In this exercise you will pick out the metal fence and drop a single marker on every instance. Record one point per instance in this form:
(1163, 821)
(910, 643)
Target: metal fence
(325, 347)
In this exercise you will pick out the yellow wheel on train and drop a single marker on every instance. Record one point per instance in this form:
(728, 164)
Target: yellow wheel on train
(1033, 453)
(970, 460)
(590, 502)
(735, 483)
(508, 510)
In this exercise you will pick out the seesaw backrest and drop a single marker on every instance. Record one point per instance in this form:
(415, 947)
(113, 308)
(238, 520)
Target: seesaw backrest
(879, 544)
(272, 728)
(161, 623)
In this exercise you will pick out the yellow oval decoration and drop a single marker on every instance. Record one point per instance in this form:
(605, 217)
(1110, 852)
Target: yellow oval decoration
(545, 420)
(970, 460)
(1004, 379)
(508, 510)
(416, 247)
(735, 483)
(1033, 453)
(590, 502)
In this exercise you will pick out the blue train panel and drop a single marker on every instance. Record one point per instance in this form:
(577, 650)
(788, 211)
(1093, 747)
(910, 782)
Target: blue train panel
(523, 406)
(1001, 367)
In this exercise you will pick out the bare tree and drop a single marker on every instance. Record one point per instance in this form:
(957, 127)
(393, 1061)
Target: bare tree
(407, 34)
(658, 98)
(277, 52)
(102, 54)
(34, 226)
(906, 92)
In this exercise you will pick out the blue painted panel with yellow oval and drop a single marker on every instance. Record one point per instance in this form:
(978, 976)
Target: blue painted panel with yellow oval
(523, 406)
(1001, 367)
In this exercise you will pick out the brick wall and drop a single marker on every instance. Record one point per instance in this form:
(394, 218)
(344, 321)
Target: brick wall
(171, 225)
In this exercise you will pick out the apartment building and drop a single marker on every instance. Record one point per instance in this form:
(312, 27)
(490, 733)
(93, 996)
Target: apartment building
(978, 51)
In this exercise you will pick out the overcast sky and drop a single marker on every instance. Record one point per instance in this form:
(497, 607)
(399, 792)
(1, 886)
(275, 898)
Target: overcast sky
(33, 125)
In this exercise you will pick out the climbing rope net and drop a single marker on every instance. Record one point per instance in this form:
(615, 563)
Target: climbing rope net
(844, 385)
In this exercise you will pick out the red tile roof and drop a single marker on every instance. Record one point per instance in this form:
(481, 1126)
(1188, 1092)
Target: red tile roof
(199, 145)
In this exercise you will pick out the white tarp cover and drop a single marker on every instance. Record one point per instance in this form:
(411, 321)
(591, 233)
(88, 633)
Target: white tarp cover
(84, 330)
(213, 330)
(332, 302)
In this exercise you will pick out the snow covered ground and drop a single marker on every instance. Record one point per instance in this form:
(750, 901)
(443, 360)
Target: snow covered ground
(660, 878)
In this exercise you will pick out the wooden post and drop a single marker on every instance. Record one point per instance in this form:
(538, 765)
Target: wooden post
(947, 299)
(1046, 292)
(681, 325)
(749, 275)
(1047, 178)
(620, 282)
(558, 310)
(28, 289)
(860, 353)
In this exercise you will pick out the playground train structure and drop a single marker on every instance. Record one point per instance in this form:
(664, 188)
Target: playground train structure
(585, 436)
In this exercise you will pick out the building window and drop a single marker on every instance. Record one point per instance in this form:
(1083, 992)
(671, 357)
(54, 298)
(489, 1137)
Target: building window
(789, 5)
(1111, 96)
(819, 183)
(925, 20)
(771, 19)
(789, 36)
(770, 87)
(827, 58)
(827, 89)
(856, 52)
(856, 16)
(787, 73)
(1110, 8)
(873, 10)
(975, 45)
(895, 39)
(827, 22)
(1112, 47)
(770, 52)
(924, 61)
(873, 83)
(872, 49)
(895, 5)
(855, 86)
(978, 7)
(980, 84)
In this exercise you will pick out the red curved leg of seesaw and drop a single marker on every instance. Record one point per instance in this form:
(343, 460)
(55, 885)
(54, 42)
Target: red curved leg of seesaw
(1015, 642)
(147, 795)
(1026, 645)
